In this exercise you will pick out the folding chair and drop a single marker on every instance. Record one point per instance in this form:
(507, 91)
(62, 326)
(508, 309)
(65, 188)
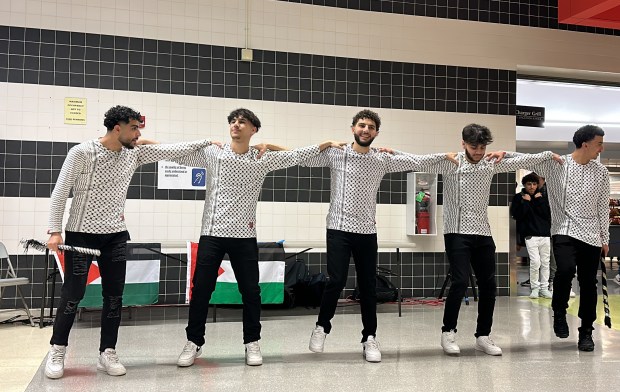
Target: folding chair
(10, 279)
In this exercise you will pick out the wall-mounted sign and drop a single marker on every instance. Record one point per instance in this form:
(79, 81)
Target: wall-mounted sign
(530, 116)
(171, 175)
(75, 111)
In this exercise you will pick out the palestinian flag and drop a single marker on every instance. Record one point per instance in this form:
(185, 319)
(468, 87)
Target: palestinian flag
(141, 283)
(271, 280)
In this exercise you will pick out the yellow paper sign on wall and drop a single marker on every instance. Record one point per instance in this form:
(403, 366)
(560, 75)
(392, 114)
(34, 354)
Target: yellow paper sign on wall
(75, 111)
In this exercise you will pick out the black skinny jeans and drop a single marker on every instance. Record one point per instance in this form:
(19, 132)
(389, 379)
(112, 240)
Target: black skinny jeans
(243, 253)
(479, 251)
(112, 266)
(340, 246)
(573, 255)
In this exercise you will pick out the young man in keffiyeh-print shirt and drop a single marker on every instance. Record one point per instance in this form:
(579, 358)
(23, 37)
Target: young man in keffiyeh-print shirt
(98, 172)
(579, 198)
(235, 175)
(467, 233)
(356, 173)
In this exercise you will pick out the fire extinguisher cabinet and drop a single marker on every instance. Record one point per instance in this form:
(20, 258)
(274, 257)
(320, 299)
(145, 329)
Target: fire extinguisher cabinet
(421, 204)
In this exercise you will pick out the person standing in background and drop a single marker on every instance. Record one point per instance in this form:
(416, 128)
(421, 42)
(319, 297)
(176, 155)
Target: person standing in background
(530, 208)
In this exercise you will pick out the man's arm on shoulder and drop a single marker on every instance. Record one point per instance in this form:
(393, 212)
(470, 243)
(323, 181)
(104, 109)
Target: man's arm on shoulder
(298, 156)
(514, 161)
(148, 153)
(264, 147)
(431, 163)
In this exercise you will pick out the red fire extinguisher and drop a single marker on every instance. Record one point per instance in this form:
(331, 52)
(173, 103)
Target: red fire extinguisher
(424, 222)
(423, 215)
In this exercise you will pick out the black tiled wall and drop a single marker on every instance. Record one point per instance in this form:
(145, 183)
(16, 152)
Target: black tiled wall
(532, 13)
(64, 58)
(30, 169)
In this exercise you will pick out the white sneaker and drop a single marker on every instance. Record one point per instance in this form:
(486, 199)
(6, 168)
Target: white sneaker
(616, 279)
(448, 343)
(317, 339)
(108, 362)
(253, 357)
(545, 293)
(371, 350)
(572, 293)
(190, 352)
(484, 343)
(55, 364)
(534, 294)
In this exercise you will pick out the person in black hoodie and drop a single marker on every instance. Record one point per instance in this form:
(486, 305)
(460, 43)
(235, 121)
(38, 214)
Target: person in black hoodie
(530, 208)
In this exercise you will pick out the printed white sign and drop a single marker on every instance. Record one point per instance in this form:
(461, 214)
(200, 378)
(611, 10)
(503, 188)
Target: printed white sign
(171, 175)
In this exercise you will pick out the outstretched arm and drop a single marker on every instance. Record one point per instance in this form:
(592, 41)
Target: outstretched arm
(403, 161)
(514, 161)
(158, 152)
(331, 144)
(299, 156)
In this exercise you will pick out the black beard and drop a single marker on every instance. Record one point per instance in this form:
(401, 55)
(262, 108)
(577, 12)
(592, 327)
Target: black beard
(363, 144)
(470, 158)
(127, 145)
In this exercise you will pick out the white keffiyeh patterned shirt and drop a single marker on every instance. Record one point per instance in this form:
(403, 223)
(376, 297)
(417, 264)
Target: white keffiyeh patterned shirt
(467, 186)
(355, 179)
(100, 178)
(234, 182)
(579, 199)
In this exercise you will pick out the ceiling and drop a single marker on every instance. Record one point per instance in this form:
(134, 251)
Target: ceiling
(597, 13)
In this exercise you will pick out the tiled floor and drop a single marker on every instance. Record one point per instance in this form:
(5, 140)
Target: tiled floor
(22, 348)
(412, 358)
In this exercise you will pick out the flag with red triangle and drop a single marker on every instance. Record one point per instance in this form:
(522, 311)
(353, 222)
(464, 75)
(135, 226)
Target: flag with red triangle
(271, 280)
(141, 283)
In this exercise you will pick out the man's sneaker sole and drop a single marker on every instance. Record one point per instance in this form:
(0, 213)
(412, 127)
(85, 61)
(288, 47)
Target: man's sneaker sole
(369, 358)
(111, 372)
(451, 351)
(316, 349)
(54, 375)
(253, 363)
(495, 353)
(189, 362)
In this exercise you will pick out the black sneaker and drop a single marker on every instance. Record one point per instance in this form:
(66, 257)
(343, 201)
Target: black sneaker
(585, 342)
(560, 327)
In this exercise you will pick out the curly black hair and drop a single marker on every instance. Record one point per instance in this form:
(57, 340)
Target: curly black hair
(587, 133)
(476, 134)
(119, 114)
(247, 114)
(532, 177)
(369, 114)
